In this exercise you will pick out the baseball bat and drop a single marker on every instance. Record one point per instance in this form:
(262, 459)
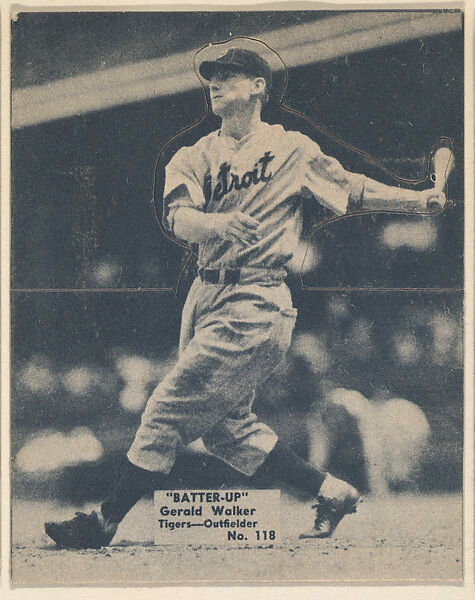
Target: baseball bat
(442, 165)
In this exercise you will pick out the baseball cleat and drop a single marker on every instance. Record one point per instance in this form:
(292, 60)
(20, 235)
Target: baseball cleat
(83, 531)
(335, 500)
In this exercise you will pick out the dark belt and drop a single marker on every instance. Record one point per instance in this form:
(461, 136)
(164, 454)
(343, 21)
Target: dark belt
(229, 276)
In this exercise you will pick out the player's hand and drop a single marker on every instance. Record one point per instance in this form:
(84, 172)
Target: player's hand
(434, 200)
(237, 226)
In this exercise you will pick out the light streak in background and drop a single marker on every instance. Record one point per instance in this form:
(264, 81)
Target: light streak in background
(300, 45)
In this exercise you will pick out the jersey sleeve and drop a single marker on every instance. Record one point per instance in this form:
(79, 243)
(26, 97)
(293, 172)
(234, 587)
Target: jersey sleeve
(335, 188)
(184, 182)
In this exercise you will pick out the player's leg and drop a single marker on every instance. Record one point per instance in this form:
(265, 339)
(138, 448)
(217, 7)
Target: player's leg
(240, 439)
(250, 446)
(231, 351)
(186, 403)
(98, 528)
(134, 481)
(334, 497)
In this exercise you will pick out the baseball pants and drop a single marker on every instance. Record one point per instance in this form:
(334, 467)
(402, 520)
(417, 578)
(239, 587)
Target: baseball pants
(232, 338)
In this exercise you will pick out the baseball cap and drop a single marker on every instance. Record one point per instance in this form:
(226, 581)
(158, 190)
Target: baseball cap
(239, 60)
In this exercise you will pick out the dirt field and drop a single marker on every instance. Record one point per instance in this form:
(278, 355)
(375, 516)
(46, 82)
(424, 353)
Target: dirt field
(404, 537)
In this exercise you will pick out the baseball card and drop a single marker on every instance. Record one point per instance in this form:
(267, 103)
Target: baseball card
(237, 259)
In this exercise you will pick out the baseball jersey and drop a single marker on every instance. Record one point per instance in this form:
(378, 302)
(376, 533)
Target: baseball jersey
(266, 174)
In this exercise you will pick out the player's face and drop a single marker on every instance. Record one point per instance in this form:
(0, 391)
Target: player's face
(230, 92)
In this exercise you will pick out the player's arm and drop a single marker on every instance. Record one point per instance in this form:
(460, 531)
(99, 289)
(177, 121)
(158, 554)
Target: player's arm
(196, 226)
(344, 192)
(185, 202)
(376, 196)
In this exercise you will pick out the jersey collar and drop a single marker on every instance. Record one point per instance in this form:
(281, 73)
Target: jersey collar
(260, 127)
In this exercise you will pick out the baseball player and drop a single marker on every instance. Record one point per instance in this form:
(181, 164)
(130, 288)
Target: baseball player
(237, 193)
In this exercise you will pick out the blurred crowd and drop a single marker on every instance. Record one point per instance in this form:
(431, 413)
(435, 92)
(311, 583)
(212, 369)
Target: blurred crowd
(375, 397)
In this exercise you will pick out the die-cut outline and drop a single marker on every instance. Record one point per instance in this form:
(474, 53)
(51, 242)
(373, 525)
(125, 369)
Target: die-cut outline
(331, 136)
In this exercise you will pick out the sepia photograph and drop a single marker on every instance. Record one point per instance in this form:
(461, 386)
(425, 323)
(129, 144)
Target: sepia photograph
(237, 297)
